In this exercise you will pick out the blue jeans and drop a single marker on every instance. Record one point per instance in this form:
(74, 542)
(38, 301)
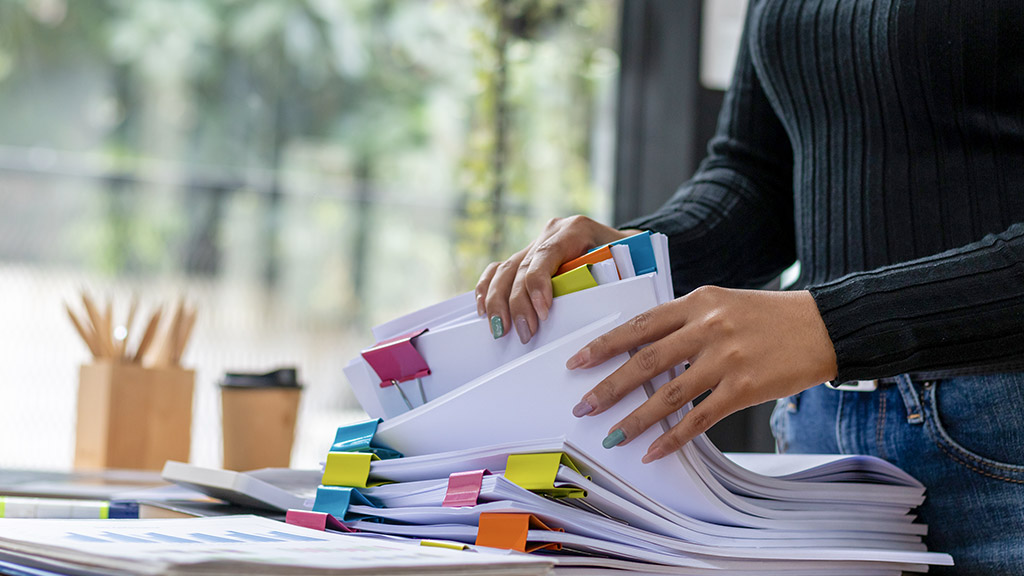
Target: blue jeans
(962, 437)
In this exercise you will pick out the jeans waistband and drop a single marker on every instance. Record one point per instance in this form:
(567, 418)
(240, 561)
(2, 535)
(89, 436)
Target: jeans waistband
(933, 375)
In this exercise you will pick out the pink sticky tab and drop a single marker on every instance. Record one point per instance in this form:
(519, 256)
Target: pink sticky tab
(463, 488)
(316, 520)
(396, 360)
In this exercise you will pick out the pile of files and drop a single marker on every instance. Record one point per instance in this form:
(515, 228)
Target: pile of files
(473, 441)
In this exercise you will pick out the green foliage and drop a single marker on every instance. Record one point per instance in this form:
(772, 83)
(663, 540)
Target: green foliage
(466, 122)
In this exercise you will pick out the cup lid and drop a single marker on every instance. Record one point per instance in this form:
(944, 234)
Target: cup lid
(280, 378)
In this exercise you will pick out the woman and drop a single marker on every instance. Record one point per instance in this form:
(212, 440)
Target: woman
(881, 144)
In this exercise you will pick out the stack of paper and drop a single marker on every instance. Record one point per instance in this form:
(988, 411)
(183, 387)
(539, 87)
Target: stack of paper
(493, 456)
(228, 545)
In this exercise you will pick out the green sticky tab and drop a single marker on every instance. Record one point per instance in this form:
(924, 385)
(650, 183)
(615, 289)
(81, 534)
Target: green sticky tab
(351, 469)
(3, 506)
(573, 281)
(105, 511)
(537, 472)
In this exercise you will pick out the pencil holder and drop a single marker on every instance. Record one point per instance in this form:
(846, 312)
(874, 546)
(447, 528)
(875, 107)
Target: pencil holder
(133, 417)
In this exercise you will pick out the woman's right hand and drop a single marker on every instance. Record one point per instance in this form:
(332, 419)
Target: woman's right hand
(517, 292)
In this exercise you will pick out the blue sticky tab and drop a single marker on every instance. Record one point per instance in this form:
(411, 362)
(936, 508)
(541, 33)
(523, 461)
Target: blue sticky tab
(359, 438)
(640, 251)
(335, 500)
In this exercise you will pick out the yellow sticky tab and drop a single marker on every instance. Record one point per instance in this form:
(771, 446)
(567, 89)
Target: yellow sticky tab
(443, 544)
(573, 281)
(537, 472)
(350, 469)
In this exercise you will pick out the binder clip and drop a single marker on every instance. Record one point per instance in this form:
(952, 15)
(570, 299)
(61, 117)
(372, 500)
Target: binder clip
(396, 360)
(359, 437)
(336, 501)
(537, 473)
(321, 521)
(463, 488)
(510, 531)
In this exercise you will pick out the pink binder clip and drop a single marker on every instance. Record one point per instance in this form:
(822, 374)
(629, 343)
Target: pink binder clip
(396, 360)
(315, 520)
(463, 488)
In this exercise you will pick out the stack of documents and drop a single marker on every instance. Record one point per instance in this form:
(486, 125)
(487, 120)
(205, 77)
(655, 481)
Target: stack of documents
(474, 442)
(228, 545)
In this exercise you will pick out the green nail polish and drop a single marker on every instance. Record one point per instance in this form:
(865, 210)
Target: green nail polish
(497, 327)
(614, 439)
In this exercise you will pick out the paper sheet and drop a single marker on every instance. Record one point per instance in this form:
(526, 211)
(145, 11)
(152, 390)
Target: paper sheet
(233, 542)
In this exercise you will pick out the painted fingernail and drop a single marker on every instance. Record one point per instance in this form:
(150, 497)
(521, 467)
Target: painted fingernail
(614, 439)
(523, 329)
(497, 327)
(582, 409)
(579, 359)
(539, 305)
(480, 305)
(653, 453)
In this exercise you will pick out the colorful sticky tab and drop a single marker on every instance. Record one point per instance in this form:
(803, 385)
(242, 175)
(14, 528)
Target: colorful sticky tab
(396, 360)
(444, 544)
(359, 437)
(537, 472)
(640, 251)
(463, 488)
(316, 520)
(511, 532)
(573, 281)
(350, 469)
(335, 500)
(593, 257)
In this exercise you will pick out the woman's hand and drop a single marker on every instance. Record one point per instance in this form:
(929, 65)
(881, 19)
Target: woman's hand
(518, 291)
(746, 346)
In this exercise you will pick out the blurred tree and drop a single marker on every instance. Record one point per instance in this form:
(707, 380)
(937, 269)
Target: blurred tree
(482, 107)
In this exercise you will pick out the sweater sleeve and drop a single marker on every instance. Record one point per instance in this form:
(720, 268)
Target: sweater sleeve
(732, 223)
(958, 309)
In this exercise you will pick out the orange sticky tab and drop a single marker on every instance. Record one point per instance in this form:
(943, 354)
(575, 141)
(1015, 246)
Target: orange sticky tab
(510, 531)
(599, 255)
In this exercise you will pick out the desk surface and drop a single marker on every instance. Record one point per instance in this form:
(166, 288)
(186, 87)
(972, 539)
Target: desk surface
(86, 484)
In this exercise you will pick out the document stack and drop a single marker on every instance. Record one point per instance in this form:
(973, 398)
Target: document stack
(473, 441)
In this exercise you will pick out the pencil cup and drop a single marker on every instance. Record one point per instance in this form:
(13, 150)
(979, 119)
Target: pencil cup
(133, 417)
(258, 417)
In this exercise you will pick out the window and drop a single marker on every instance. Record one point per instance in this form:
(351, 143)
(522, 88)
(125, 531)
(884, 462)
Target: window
(298, 169)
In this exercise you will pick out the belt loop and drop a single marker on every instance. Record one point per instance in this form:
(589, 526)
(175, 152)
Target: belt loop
(910, 399)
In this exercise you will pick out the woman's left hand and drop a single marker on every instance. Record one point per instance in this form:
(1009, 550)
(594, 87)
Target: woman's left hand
(746, 346)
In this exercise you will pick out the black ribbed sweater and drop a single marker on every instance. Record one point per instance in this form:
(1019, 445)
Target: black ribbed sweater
(881, 144)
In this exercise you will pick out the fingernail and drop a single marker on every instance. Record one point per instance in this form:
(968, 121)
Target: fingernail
(653, 453)
(579, 359)
(497, 327)
(523, 329)
(614, 439)
(582, 409)
(480, 305)
(539, 305)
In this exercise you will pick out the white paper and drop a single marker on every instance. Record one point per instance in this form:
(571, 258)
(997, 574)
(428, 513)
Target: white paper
(234, 543)
(605, 272)
(460, 352)
(269, 488)
(623, 261)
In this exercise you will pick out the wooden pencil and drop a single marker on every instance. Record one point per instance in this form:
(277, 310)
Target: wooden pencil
(147, 336)
(86, 337)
